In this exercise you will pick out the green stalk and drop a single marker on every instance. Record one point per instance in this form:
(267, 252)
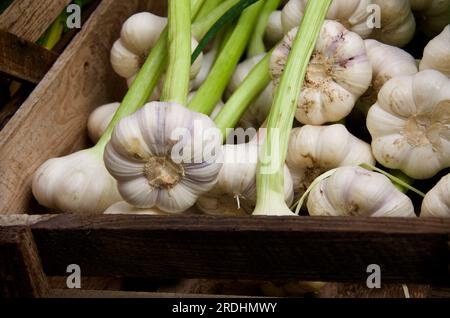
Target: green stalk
(270, 173)
(212, 89)
(53, 34)
(176, 85)
(196, 6)
(149, 74)
(256, 45)
(207, 7)
(253, 84)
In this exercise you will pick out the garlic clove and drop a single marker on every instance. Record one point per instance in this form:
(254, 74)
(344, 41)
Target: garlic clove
(77, 183)
(274, 30)
(436, 54)
(437, 201)
(99, 120)
(124, 62)
(353, 191)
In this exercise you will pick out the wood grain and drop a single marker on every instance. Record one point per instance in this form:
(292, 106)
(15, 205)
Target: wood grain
(303, 248)
(21, 273)
(23, 59)
(29, 19)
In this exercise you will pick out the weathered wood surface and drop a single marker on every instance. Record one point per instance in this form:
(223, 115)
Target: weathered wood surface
(304, 248)
(29, 19)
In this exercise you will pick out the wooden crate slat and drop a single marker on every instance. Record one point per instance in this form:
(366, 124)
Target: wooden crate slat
(29, 19)
(306, 248)
(23, 59)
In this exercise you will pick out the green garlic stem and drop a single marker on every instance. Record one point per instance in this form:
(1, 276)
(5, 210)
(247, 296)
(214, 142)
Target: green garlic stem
(212, 89)
(256, 45)
(207, 7)
(155, 64)
(176, 85)
(196, 6)
(253, 84)
(270, 172)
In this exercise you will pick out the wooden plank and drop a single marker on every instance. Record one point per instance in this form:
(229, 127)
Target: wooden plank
(303, 248)
(342, 290)
(23, 59)
(21, 273)
(29, 19)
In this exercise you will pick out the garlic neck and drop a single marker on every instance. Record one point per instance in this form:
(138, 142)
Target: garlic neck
(162, 172)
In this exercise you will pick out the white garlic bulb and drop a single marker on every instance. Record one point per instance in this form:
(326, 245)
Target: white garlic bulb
(436, 54)
(235, 190)
(387, 62)
(397, 25)
(274, 30)
(77, 183)
(207, 63)
(437, 201)
(338, 73)
(432, 15)
(353, 14)
(410, 124)
(123, 207)
(314, 150)
(258, 110)
(354, 191)
(164, 156)
(139, 34)
(99, 120)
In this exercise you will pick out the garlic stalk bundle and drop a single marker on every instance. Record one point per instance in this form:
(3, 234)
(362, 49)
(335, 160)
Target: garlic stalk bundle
(410, 123)
(138, 36)
(339, 72)
(274, 30)
(314, 150)
(123, 207)
(397, 25)
(353, 14)
(99, 120)
(258, 110)
(436, 54)
(77, 183)
(432, 15)
(235, 190)
(157, 156)
(354, 191)
(387, 62)
(437, 201)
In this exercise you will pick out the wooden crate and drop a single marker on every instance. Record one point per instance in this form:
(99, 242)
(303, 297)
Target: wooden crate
(52, 122)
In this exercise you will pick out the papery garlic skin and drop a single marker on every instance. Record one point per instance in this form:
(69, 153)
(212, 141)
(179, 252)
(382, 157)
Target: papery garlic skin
(431, 15)
(99, 120)
(354, 191)
(353, 14)
(338, 73)
(235, 190)
(138, 36)
(410, 124)
(159, 156)
(387, 62)
(436, 54)
(397, 22)
(314, 150)
(123, 207)
(437, 201)
(274, 30)
(258, 110)
(77, 183)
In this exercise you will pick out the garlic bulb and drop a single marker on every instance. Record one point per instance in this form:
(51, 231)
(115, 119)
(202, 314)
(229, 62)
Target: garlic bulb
(258, 110)
(353, 14)
(235, 190)
(397, 25)
(387, 62)
(338, 74)
(123, 207)
(77, 183)
(207, 63)
(139, 34)
(432, 15)
(99, 120)
(274, 30)
(410, 122)
(437, 201)
(436, 54)
(314, 150)
(354, 191)
(164, 156)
